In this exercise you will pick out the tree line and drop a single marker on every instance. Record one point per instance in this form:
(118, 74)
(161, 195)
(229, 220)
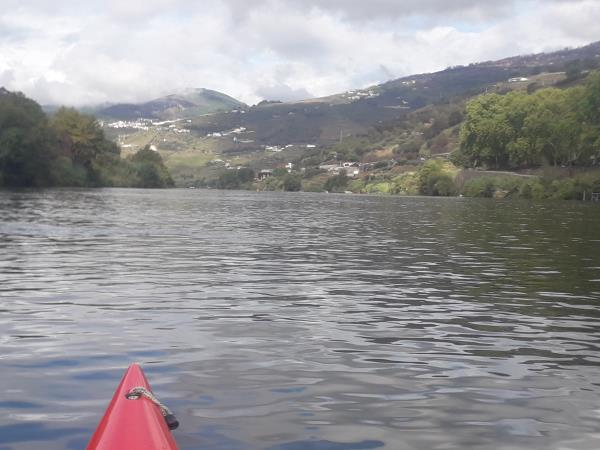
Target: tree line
(519, 130)
(67, 148)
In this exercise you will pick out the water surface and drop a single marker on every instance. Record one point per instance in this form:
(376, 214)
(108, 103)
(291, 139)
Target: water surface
(302, 321)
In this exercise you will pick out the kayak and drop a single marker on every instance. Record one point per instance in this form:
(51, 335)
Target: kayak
(135, 419)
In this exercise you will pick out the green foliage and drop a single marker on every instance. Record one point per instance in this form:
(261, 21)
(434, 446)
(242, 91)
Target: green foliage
(69, 149)
(235, 179)
(112, 170)
(407, 183)
(559, 127)
(381, 187)
(80, 136)
(570, 188)
(245, 175)
(292, 183)
(409, 148)
(357, 186)
(273, 184)
(350, 149)
(337, 183)
(68, 174)
(435, 178)
(480, 187)
(315, 184)
(149, 169)
(573, 69)
(27, 147)
(280, 172)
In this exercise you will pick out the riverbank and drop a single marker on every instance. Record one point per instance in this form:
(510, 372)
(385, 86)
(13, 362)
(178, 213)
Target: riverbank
(442, 178)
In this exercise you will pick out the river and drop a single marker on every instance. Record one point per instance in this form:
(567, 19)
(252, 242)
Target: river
(292, 321)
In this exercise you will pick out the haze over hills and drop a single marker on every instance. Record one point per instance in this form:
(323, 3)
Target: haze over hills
(184, 105)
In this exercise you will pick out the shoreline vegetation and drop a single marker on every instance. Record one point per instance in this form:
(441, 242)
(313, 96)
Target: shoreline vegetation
(533, 144)
(435, 178)
(67, 149)
(543, 144)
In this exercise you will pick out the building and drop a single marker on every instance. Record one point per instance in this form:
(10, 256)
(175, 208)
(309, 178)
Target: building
(264, 174)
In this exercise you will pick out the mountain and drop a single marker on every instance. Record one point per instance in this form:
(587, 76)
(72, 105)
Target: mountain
(408, 118)
(188, 104)
(323, 120)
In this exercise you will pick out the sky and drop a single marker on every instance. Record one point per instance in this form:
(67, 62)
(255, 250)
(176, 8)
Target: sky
(78, 53)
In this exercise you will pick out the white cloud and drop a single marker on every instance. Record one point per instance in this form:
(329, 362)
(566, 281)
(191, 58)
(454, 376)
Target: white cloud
(136, 50)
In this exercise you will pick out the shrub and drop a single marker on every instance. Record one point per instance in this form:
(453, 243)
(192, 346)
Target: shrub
(292, 183)
(479, 187)
(337, 183)
(444, 186)
(434, 178)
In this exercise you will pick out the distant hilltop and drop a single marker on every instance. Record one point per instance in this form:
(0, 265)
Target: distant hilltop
(187, 104)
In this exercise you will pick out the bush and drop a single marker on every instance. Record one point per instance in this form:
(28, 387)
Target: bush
(357, 186)
(150, 169)
(245, 175)
(407, 183)
(383, 187)
(337, 183)
(273, 184)
(68, 174)
(434, 178)
(292, 183)
(444, 186)
(480, 187)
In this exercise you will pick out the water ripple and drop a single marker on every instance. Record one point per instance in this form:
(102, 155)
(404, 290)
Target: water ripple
(300, 321)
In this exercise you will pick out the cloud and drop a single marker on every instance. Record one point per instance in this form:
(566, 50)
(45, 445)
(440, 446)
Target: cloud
(282, 92)
(360, 10)
(80, 53)
(7, 77)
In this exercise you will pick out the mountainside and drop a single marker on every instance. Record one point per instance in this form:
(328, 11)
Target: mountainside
(188, 104)
(323, 120)
(407, 119)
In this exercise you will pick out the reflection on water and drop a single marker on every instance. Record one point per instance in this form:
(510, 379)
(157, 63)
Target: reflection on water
(299, 321)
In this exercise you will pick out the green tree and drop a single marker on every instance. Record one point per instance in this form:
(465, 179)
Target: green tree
(433, 179)
(150, 169)
(280, 172)
(337, 183)
(486, 132)
(81, 137)
(524, 130)
(292, 183)
(69, 149)
(552, 126)
(245, 175)
(27, 146)
(588, 114)
(573, 69)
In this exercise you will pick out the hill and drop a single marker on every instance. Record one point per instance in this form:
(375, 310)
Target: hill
(188, 104)
(322, 120)
(404, 119)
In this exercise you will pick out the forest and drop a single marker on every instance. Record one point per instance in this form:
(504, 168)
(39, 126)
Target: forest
(523, 130)
(67, 148)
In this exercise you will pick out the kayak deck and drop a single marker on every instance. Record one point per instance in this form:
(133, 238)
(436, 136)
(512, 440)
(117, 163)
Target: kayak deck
(132, 424)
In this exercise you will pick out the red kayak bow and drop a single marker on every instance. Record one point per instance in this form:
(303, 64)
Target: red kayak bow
(134, 419)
